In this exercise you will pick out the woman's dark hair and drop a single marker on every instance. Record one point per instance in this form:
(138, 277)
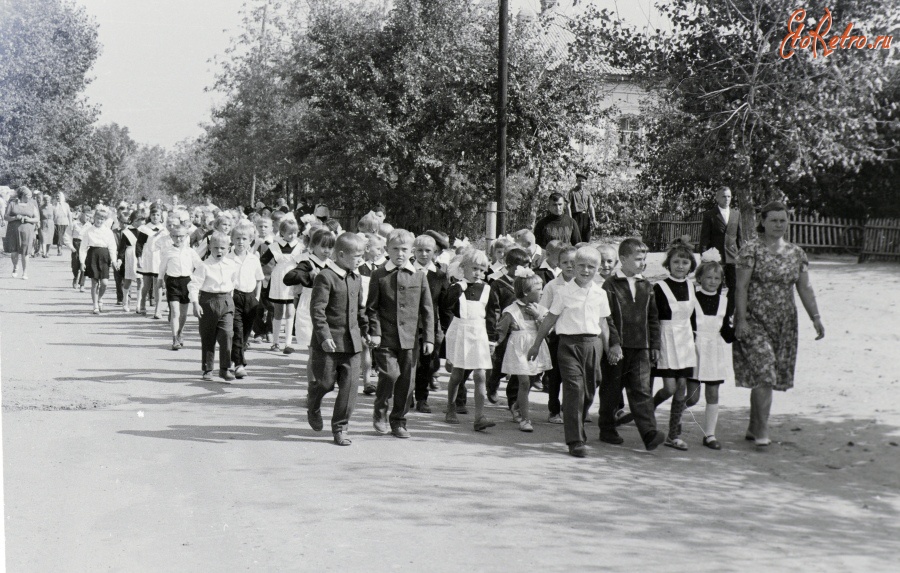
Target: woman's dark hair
(681, 250)
(771, 207)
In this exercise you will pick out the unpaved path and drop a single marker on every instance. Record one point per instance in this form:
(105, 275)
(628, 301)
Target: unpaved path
(117, 457)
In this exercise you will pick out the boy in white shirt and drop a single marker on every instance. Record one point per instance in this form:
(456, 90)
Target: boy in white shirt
(553, 377)
(210, 291)
(579, 313)
(246, 291)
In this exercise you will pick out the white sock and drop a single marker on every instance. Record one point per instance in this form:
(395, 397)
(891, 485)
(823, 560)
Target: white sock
(712, 418)
(276, 330)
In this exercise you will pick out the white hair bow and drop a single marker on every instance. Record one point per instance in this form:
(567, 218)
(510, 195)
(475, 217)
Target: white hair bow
(524, 272)
(308, 218)
(711, 254)
(464, 242)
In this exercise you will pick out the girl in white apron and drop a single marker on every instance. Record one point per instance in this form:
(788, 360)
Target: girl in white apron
(677, 353)
(285, 251)
(148, 256)
(311, 263)
(466, 341)
(129, 235)
(713, 337)
(522, 330)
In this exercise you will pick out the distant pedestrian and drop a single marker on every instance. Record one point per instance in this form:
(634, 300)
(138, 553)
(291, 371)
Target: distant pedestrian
(62, 219)
(581, 207)
(556, 224)
(721, 230)
(22, 216)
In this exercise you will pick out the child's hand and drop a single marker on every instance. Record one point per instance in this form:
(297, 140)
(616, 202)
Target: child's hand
(329, 346)
(374, 341)
(531, 309)
(533, 352)
(654, 356)
(198, 312)
(615, 354)
(427, 348)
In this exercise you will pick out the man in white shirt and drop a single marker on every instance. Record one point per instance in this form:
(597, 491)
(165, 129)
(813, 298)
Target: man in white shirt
(721, 229)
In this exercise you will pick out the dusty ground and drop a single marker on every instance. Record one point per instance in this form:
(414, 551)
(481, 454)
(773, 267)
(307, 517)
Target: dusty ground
(118, 457)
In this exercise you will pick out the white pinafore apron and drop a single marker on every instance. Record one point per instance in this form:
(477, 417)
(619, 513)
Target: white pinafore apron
(713, 353)
(677, 349)
(283, 264)
(150, 255)
(467, 340)
(130, 258)
(303, 327)
(515, 361)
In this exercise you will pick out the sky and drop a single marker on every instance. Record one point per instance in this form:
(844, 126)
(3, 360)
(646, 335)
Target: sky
(155, 63)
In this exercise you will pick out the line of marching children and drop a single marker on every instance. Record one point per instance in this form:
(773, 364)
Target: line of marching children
(565, 320)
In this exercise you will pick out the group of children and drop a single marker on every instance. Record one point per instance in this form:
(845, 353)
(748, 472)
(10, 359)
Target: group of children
(564, 319)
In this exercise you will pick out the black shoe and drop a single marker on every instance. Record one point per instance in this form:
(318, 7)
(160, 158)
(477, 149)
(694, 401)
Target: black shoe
(422, 406)
(537, 386)
(577, 449)
(369, 389)
(315, 419)
(622, 420)
(492, 398)
(462, 410)
(612, 437)
(653, 440)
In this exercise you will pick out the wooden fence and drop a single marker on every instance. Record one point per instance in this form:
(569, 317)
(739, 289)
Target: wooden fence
(882, 240)
(874, 238)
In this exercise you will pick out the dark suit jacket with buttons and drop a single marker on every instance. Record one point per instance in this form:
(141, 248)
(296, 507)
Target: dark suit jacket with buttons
(399, 307)
(502, 295)
(726, 238)
(337, 310)
(635, 319)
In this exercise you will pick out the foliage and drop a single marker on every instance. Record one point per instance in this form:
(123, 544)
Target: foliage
(108, 176)
(728, 109)
(46, 50)
(356, 104)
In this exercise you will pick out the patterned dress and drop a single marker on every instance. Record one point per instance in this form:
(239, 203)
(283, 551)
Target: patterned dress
(766, 355)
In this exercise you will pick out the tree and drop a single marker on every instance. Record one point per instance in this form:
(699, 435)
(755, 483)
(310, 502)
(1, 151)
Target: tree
(728, 109)
(47, 49)
(108, 176)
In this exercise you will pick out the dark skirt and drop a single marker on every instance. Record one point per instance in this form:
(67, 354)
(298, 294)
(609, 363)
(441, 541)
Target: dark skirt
(59, 239)
(96, 264)
(672, 373)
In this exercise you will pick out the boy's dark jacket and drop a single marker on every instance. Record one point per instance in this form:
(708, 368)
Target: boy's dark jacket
(635, 321)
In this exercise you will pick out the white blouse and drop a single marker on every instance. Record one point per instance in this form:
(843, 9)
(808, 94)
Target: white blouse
(92, 236)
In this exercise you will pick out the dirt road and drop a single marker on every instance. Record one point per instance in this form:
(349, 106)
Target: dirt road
(117, 457)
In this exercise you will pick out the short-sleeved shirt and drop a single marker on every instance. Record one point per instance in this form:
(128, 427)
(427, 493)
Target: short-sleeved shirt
(249, 273)
(580, 310)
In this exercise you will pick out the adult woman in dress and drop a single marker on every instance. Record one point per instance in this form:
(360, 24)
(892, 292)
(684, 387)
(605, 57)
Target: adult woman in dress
(769, 268)
(62, 219)
(48, 226)
(23, 216)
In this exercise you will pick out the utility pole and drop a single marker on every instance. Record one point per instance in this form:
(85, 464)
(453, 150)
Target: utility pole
(502, 73)
(262, 41)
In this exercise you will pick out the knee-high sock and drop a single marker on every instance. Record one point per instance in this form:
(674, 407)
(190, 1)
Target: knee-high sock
(276, 330)
(712, 418)
(675, 418)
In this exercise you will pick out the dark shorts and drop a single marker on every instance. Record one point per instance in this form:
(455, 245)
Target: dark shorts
(176, 289)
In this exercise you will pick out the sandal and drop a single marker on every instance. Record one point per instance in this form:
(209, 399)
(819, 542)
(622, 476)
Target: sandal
(677, 443)
(712, 443)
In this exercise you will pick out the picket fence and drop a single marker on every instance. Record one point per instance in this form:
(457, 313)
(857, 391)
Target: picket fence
(872, 239)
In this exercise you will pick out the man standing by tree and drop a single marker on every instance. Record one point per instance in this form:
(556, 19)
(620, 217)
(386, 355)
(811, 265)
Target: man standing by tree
(721, 229)
(557, 225)
(581, 207)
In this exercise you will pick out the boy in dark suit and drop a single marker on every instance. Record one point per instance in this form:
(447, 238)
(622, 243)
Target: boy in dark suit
(338, 319)
(424, 249)
(399, 308)
(721, 229)
(634, 343)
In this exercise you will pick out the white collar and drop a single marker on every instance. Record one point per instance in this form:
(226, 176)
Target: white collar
(428, 267)
(706, 292)
(389, 266)
(318, 261)
(497, 266)
(340, 272)
(621, 275)
(677, 280)
(556, 272)
(282, 242)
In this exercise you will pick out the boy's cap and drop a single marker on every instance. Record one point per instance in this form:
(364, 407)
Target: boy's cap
(442, 240)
